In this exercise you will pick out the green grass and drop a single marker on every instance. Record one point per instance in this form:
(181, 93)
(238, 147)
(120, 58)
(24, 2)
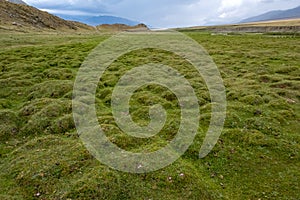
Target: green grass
(256, 157)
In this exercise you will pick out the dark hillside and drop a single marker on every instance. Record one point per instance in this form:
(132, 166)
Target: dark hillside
(24, 17)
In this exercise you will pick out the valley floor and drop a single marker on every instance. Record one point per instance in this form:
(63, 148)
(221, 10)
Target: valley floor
(256, 157)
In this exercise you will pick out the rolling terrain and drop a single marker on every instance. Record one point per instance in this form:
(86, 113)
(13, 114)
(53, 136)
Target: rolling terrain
(42, 156)
(256, 157)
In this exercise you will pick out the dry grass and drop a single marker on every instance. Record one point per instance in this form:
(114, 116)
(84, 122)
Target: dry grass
(283, 22)
(288, 25)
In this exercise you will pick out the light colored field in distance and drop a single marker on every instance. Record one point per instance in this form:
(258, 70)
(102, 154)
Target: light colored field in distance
(286, 22)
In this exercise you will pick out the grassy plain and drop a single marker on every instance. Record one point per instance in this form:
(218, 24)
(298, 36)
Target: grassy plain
(257, 156)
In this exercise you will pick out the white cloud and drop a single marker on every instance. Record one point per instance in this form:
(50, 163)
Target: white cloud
(168, 13)
(68, 12)
(230, 4)
(235, 10)
(228, 8)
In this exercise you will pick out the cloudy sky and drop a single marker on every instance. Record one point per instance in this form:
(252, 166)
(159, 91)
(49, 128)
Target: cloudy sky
(167, 13)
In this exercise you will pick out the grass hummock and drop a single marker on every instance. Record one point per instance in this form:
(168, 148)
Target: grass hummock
(256, 157)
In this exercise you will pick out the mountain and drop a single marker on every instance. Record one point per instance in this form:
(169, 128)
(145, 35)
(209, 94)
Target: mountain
(17, 2)
(275, 15)
(99, 20)
(122, 27)
(23, 17)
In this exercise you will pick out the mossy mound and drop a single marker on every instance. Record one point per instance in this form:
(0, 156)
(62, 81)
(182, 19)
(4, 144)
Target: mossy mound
(50, 89)
(52, 117)
(256, 157)
(10, 124)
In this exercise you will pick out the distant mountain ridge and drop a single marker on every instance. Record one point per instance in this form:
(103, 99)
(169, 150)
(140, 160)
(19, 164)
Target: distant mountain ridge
(24, 18)
(122, 27)
(99, 20)
(275, 15)
(17, 2)
(91, 20)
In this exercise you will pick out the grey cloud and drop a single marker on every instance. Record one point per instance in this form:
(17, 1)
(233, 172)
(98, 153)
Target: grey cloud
(170, 13)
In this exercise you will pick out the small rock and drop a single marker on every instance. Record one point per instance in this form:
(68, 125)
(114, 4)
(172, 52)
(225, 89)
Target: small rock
(37, 194)
(223, 186)
(290, 101)
(232, 151)
(258, 112)
(16, 24)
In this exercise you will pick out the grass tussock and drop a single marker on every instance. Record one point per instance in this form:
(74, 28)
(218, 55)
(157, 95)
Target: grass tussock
(256, 157)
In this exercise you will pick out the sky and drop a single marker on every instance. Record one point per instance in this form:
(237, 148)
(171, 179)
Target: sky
(167, 13)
